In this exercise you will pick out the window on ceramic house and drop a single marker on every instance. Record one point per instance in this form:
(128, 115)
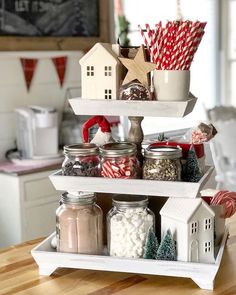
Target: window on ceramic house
(108, 70)
(108, 94)
(194, 227)
(90, 70)
(207, 247)
(207, 223)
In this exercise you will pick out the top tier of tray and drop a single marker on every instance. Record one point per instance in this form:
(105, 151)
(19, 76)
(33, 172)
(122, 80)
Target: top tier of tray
(133, 108)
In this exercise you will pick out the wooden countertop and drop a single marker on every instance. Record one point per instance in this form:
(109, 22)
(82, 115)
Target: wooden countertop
(19, 275)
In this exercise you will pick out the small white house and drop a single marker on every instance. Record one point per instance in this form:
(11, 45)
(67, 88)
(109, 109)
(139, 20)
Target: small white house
(191, 222)
(100, 72)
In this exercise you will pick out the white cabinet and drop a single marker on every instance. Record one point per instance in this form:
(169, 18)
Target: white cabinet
(27, 207)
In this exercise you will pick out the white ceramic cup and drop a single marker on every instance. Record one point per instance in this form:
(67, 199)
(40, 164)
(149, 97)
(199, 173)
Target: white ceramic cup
(171, 85)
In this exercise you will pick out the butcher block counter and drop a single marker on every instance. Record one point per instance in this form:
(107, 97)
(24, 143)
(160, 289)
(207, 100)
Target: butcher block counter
(19, 275)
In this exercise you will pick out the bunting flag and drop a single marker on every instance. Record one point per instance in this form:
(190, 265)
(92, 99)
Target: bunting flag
(60, 65)
(28, 66)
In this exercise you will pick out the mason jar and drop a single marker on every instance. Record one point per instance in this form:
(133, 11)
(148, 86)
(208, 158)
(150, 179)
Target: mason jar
(79, 225)
(118, 160)
(128, 223)
(81, 160)
(162, 163)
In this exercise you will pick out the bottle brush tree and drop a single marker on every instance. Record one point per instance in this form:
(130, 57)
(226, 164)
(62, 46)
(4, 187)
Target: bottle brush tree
(192, 171)
(167, 250)
(151, 245)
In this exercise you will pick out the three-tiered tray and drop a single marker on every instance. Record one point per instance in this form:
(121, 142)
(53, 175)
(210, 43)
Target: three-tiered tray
(48, 259)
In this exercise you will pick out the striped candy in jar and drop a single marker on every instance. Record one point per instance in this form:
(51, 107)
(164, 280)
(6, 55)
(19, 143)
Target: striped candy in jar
(118, 160)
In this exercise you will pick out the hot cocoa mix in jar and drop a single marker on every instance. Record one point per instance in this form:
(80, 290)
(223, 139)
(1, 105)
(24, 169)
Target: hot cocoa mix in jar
(118, 160)
(79, 223)
(81, 160)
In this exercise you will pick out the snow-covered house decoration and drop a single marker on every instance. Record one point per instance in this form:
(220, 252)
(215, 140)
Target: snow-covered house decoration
(100, 72)
(191, 222)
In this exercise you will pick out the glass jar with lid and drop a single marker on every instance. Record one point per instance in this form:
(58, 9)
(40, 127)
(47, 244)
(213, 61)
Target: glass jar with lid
(128, 223)
(162, 163)
(79, 227)
(118, 160)
(81, 160)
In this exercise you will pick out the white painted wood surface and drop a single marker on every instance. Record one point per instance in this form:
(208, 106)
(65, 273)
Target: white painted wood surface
(178, 189)
(133, 108)
(203, 275)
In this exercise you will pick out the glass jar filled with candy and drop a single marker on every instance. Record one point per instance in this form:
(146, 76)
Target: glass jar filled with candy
(134, 91)
(162, 163)
(118, 160)
(81, 160)
(128, 223)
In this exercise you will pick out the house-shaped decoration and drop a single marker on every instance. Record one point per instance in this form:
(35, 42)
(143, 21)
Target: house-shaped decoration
(191, 222)
(100, 72)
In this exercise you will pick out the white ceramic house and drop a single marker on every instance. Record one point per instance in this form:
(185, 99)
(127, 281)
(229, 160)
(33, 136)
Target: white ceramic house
(100, 72)
(191, 222)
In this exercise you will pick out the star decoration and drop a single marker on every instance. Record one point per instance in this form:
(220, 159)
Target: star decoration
(138, 68)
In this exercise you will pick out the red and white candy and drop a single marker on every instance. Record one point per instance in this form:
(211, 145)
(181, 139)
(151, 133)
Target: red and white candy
(121, 168)
(228, 199)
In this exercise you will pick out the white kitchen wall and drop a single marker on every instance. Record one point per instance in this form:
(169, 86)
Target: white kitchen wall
(45, 88)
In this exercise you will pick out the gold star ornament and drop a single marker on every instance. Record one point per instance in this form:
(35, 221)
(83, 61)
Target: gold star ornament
(138, 68)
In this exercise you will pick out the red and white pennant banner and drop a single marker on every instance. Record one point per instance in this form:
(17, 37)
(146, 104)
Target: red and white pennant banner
(29, 66)
(60, 64)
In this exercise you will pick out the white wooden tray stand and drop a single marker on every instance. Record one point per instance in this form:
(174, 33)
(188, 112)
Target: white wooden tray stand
(202, 274)
(49, 260)
(177, 189)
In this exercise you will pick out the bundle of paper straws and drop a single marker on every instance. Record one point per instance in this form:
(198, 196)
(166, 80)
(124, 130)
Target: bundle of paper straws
(173, 46)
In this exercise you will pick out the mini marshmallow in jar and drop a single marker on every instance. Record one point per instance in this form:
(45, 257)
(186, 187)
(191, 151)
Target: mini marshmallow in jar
(128, 223)
(118, 160)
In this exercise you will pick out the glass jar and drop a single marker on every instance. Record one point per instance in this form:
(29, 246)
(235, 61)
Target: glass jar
(118, 160)
(79, 224)
(81, 160)
(162, 163)
(128, 223)
(134, 91)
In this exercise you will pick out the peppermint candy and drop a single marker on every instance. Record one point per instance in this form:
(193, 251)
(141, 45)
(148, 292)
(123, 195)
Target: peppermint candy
(228, 199)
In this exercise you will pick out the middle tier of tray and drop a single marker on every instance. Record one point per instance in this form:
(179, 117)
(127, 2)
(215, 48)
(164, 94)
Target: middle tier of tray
(178, 189)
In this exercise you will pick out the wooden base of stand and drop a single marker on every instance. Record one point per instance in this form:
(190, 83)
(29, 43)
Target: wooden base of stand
(136, 134)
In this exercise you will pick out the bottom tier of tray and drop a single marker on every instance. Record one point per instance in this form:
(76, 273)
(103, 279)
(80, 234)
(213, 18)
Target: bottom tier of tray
(202, 274)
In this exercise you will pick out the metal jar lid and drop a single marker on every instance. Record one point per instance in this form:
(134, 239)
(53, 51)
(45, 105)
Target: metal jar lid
(163, 152)
(81, 198)
(129, 201)
(81, 149)
(117, 149)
